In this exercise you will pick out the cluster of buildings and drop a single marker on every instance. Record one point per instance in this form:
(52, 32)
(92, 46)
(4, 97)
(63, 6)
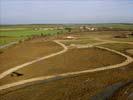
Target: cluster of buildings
(88, 28)
(49, 28)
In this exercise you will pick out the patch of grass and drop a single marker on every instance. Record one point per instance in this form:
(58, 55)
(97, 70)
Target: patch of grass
(15, 34)
(23, 33)
(7, 40)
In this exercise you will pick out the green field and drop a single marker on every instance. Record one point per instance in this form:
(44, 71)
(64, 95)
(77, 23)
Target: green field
(14, 33)
(10, 33)
(119, 25)
(27, 32)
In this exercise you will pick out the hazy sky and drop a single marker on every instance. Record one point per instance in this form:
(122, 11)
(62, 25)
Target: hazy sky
(65, 11)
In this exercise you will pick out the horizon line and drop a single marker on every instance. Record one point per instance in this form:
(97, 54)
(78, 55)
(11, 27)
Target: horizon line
(65, 23)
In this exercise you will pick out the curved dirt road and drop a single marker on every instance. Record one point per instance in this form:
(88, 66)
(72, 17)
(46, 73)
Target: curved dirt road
(54, 77)
(2, 75)
(111, 41)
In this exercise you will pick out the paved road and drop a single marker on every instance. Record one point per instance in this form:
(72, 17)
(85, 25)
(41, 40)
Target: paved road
(53, 77)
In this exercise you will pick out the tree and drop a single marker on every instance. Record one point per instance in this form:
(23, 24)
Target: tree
(68, 29)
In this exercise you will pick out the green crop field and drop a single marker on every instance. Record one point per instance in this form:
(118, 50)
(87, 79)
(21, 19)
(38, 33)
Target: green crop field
(23, 33)
(11, 33)
(14, 33)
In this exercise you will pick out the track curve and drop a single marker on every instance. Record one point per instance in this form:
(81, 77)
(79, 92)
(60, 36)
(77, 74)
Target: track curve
(54, 77)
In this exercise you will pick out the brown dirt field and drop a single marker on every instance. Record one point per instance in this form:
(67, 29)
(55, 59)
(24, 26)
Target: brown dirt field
(26, 51)
(122, 47)
(80, 41)
(80, 87)
(73, 60)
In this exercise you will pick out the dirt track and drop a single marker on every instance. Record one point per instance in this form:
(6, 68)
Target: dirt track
(7, 45)
(26, 52)
(75, 59)
(34, 61)
(127, 61)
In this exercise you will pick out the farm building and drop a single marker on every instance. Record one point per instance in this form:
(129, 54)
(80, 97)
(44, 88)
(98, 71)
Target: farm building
(88, 28)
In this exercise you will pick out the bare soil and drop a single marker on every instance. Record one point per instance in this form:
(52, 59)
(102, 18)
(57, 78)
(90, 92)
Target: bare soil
(73, 60)
(26, 51)
(122, 47)
(81, 87)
